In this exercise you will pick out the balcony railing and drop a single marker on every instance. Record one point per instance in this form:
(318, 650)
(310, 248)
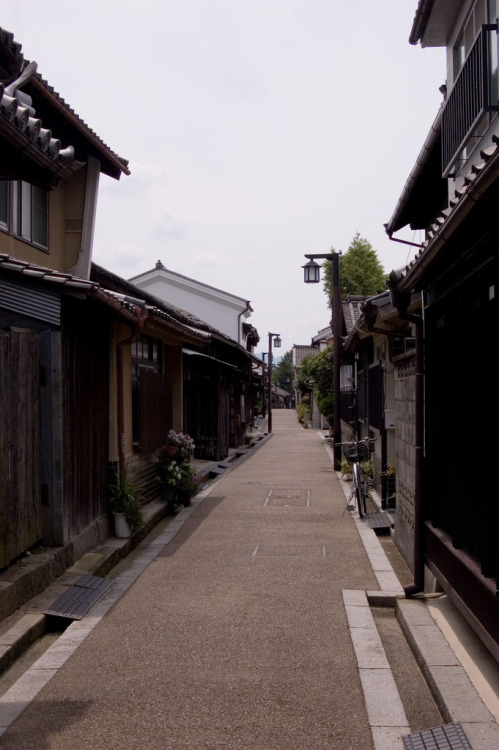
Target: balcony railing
(469, 99)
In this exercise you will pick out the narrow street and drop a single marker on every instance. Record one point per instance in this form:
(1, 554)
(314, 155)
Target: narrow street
(235, 635)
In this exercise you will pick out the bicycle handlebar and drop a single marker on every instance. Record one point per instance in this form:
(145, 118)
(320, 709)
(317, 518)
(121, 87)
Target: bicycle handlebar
(356, 442)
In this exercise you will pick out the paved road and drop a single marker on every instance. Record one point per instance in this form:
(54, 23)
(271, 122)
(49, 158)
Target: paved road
(235, 636)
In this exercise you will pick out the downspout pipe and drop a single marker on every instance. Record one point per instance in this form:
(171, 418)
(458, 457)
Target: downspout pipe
(401, 302)
(419, 555)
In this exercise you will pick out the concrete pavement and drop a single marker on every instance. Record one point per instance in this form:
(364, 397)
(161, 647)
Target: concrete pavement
(242, 623)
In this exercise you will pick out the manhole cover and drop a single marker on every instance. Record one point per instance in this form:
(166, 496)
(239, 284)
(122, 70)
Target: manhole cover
(314, 550)
(448, 737)
(294, 497)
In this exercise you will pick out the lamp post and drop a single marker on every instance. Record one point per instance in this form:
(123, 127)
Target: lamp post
(312, 275)
(277, 344)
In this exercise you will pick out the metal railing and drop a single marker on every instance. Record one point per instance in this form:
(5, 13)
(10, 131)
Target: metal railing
(469, 99)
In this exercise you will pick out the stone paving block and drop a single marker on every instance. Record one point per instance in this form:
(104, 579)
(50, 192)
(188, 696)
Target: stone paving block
(482, 736)
(20, 627)
(60, 651)
(382, 598)
(360, 617)
(368, 649)
(414, 612)
(165, 537)
(388, 581)
(383, 703)
(433, 647)
(379, 561)
(389, 738)
(87, 623)
(459, 696)
(354, 598)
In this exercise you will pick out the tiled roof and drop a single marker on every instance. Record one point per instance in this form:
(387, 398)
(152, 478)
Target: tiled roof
(352, 310)
(182, 317)
(26, 129)
(479, 179)
(34, 271)
(122, 303)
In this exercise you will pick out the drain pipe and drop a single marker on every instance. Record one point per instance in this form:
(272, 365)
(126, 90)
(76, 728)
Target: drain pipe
(401, 302)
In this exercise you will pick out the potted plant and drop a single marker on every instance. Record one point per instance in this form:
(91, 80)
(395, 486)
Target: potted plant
(189, 484)
(124, 502)
(390, 485)
(346, 469)
(183, 443)
(169, 474)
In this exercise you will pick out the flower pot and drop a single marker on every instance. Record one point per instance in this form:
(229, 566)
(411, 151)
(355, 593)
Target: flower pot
(168, 492)
(170, 450)
(121, 529)
(184, 496)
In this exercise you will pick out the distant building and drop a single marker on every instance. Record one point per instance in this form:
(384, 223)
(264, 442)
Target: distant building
(223, 310)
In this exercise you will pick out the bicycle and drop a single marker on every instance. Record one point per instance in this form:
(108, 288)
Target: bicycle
(356, 452)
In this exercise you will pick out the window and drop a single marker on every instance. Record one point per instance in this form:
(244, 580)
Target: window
(30, 206)
(24, 211)
(481, 13)
(151, 395)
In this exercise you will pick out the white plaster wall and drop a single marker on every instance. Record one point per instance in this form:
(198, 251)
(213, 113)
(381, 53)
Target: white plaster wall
(220, 315)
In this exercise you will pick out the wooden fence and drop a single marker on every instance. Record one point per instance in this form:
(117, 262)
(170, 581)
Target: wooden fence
(20, 488)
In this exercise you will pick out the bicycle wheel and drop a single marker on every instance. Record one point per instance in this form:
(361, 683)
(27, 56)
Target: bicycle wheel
(360, 490)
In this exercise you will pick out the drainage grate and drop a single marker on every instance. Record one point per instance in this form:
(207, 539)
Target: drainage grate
(448, 737)
(380, 522)
(77, 600)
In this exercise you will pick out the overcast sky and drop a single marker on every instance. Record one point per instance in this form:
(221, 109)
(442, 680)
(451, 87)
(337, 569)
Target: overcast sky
(256, 131)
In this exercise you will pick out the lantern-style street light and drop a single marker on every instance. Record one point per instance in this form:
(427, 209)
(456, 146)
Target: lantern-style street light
(312, 275)
(277, 344)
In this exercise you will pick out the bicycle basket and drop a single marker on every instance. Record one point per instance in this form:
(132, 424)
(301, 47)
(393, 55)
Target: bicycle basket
(356, 452)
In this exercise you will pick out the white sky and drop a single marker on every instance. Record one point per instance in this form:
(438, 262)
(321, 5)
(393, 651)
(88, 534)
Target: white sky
(256, 131)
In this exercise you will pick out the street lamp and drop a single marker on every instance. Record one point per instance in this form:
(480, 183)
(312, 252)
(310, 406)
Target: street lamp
(277, 344)
(312, 275)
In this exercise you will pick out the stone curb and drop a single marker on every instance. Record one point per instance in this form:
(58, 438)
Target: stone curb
(449, 683)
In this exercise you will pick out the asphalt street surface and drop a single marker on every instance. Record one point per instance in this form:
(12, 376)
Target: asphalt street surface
(235, 636)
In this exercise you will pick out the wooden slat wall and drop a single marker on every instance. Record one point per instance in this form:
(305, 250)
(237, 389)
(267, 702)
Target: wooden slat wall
(223, 421)
(85, 363)
(155, 409)
(20, 511)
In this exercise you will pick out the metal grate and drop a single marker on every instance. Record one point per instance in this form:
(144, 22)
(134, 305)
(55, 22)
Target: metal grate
(448, 737)
(380, 522)
(77, 600)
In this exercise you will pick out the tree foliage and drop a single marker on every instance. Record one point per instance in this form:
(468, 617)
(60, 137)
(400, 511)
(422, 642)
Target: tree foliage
(361, 272)
(318, 371)
(282, 373)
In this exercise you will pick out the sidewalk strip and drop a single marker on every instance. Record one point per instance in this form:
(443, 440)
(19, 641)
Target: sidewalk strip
(384, 707)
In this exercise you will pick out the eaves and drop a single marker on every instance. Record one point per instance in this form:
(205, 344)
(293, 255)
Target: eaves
(476, 184)
(30, 109)
(125, 306)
